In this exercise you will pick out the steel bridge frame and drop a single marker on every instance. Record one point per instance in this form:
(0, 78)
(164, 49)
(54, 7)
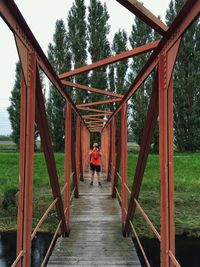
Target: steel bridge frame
(113, 130)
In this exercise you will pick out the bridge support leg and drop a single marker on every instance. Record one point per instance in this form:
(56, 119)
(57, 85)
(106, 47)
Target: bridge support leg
(73, 163)
(166, 162)
(67, 164)
(146, 141)
(107, 150)
(117, 162)
(27, 132)
(78, 145)
(124, 163)
(113, 150)
(81, 153)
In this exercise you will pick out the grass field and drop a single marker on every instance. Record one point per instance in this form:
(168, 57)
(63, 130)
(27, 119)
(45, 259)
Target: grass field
(187, 188)
(187, 193)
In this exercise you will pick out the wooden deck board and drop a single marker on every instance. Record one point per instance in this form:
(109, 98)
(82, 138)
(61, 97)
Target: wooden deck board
(95, 238)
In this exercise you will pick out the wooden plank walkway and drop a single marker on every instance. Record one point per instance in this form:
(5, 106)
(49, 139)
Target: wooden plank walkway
(95, 238)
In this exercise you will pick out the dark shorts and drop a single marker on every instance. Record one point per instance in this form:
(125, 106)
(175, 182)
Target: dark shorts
(96, 168)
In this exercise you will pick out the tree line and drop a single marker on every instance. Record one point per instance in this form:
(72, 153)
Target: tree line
(83, 38)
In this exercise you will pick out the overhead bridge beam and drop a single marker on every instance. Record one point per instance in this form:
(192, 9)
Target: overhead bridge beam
(94, 119)
(124, 55)
(94, 115)
(99, 102)
(95, 110)
(144, 14)
(91, 89)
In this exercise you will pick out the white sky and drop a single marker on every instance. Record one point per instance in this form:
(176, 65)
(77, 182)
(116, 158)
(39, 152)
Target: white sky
(41, 17)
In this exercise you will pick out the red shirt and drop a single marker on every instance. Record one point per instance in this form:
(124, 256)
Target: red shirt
(95, 157)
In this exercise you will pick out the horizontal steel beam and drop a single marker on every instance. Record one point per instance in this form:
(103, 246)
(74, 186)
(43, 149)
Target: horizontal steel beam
(94, 119)
(95, 110)
(99, 102)
(95, 126)
(124, 55)
(94, 115)
(90, 89)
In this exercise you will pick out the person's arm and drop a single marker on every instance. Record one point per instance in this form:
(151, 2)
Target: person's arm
(99, 153)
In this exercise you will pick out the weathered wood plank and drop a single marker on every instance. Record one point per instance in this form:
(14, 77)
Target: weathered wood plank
(96, 238)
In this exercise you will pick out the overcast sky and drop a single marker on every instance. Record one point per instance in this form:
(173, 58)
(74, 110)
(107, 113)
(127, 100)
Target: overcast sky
(41, 17)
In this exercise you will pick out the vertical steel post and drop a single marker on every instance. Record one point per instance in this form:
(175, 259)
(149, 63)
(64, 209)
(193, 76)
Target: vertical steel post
(88, 144)
(124, 162)
(105, 149)
(67, 163)
(108, 148)
(102, 147)
(113, 150)
(27, 132)
(109, 158)
(42, 123)
(73, 163)
(78, 144)
(81, 153)
(83, 146)
(166, 161)
(147, 136)
(171, 171)
(20, 219)
(117, 163)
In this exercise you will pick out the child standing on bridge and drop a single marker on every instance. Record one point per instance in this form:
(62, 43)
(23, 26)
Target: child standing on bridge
(95, 163)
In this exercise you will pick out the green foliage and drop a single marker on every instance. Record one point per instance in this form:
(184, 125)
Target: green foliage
(60, 58)
(9, 199)
(5, 138)
(14, 108)
(11, 147)
(141, 34)
(186, 85)
(78, 44)
(119, 46)
(99, 48)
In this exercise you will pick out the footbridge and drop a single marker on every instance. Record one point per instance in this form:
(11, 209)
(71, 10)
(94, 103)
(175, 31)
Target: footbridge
(95, 227)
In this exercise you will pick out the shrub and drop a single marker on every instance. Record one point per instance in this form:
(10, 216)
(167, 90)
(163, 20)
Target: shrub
(9, 198)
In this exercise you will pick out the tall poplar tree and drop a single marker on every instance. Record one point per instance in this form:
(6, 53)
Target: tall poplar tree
(99, 48)
(60, 58)
(186, 85)
(77, 28)
(119, 46)
(14, 108)
(141, 34)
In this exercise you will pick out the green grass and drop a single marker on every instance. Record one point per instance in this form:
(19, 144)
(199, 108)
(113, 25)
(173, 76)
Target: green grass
(187, 196)
(42, 194)
(187, 188)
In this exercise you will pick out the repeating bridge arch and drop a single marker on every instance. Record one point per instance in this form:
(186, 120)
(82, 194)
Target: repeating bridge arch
(113, 131)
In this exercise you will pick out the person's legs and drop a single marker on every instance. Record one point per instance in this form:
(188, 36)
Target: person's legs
(98, 169)
(92, 173)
